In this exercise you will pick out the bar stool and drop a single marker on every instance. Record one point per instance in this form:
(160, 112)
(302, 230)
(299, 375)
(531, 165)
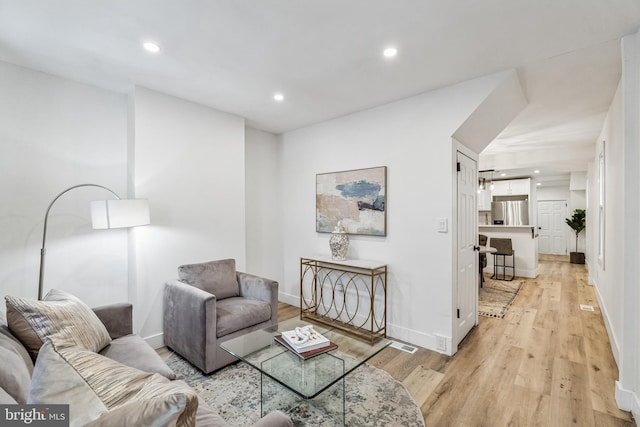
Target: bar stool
(504, 250)
(482, 258)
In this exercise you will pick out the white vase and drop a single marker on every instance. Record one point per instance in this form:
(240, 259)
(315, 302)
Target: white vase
(339, 243)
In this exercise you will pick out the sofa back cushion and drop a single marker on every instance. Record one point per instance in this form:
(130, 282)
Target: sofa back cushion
(63, 318)
(216, 277)
(16, 368)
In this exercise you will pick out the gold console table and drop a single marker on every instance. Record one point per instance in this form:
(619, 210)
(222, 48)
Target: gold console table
(349, 295)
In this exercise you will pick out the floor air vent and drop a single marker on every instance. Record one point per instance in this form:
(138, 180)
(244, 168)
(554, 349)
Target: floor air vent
(404, 347)
(586, 307)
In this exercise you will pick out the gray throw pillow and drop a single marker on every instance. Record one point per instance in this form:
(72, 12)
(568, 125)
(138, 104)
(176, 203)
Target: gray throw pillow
(15, 375)
(215, 277)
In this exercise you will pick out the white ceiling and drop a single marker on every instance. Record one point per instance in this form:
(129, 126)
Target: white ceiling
(325, 57)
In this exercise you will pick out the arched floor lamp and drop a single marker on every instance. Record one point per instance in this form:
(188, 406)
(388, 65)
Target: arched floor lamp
(105, 214)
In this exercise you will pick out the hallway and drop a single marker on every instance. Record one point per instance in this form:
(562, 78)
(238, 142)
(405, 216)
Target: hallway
(547, 363)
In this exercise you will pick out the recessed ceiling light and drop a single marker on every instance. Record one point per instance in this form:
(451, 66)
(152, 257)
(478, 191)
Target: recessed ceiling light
(536, 171)
(503, 174)
(278, 97)
(538, 184)
(151, 47)
(390, 52)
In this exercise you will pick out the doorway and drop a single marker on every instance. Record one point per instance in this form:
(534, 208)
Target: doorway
(552, 227)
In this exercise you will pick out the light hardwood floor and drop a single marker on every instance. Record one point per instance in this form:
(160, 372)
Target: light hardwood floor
(546, 363)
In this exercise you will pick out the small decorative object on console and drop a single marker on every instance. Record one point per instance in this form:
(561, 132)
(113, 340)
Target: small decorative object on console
(339, 243)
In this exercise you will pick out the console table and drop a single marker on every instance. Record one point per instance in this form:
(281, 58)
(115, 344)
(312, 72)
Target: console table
(349, 295)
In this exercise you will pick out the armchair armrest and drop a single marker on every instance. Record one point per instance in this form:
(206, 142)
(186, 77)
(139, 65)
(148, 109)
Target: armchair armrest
(189, 322)
(259, 288)
(117, 318)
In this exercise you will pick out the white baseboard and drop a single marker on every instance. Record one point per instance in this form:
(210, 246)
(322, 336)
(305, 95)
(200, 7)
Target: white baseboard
(289, 299)
(613, 339)
(428, 341)
(530, 274)
(421, 339)
(155, 341)
(628, 400)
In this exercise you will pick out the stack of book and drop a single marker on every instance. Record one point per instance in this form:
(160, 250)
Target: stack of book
(305, 348)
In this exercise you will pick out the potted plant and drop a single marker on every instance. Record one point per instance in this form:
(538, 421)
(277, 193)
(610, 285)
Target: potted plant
(577, 224)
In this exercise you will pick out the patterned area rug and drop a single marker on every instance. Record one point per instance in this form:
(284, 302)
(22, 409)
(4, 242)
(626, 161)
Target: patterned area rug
(496, 296)
(373, 397)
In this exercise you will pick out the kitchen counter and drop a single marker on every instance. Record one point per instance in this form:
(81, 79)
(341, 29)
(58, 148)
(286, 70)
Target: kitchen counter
(504, 226)
(524, 242)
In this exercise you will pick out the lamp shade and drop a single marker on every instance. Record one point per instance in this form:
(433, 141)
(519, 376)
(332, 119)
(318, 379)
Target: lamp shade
(119, 213)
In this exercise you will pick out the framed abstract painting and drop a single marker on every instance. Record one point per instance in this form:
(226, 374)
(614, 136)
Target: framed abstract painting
(355, 198)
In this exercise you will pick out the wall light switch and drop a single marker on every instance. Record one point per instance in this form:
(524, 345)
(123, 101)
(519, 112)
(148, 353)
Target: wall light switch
(443, 225)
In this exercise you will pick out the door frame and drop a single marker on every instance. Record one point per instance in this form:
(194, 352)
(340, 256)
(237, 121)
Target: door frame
(455, 339)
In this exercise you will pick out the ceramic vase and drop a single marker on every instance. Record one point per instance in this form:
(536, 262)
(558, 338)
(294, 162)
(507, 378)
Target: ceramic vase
(339, 243)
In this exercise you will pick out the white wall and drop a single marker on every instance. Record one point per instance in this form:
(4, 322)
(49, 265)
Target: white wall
(263, 204)
(616, 279)
(553, 193)
(628, 386)
(189, 163)
(413, 139)
(55, 133)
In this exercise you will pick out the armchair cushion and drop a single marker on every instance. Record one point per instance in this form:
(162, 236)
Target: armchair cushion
(216, 277)
(234, 314)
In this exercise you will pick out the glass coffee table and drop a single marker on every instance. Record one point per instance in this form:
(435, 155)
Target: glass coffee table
(286, 378)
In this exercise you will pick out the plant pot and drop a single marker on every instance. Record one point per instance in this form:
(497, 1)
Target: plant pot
(576, 257)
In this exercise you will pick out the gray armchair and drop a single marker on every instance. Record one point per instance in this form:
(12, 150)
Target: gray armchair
(210, 303)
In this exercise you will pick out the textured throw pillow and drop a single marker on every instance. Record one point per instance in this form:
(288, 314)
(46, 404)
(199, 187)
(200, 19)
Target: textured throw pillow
(215, 277)
(55, 381)
(61, 317)
(101, 391)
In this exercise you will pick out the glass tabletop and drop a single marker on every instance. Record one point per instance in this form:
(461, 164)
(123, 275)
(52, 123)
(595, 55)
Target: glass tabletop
(307, 378)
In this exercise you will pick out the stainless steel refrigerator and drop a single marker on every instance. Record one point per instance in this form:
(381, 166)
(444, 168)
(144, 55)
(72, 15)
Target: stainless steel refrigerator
(510, 212)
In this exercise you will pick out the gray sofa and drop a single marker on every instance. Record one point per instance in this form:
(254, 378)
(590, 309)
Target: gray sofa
(128, 349)
(211, 303)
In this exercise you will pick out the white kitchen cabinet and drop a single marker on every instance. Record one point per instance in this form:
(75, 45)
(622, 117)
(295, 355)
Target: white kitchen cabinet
(512, 187)
(501, 188)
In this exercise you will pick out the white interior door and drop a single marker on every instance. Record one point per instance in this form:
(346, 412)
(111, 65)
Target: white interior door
(467, 263)
(552, 227)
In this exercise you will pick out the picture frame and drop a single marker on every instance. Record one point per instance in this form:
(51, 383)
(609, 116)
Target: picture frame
(354, 198)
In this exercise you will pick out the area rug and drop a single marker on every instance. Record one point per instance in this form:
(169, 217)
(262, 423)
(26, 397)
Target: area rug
(496, 296)
(373, 397)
